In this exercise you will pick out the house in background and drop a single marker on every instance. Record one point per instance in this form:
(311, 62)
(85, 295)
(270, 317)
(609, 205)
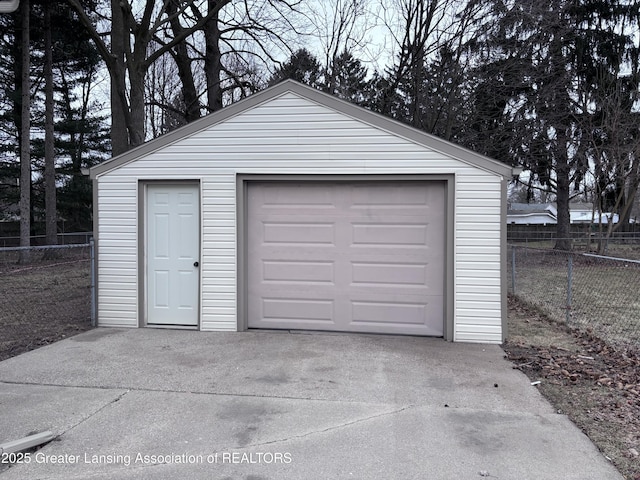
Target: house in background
(531, 214)
(8, 6)
(547, 214)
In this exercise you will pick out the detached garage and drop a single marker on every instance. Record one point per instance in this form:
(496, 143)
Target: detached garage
(295, 210)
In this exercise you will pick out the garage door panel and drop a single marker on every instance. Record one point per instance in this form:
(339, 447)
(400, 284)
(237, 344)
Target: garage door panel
(400, 267)
(298, 196)
(364, 257)
(396, 313)
(292, 233)
(389, 197)
(380, 238)
(380, 313)
(299, 309)
(298, 271)
(413, 318)
(390, 235)
(388, 274)
(385, 278)
(296, 291)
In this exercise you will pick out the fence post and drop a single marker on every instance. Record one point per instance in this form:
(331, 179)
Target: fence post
(513, 269)
(92, 251)
(569, 286)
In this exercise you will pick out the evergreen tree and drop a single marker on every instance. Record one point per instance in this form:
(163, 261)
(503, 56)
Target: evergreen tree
(303, 67)
(9, 118)
(544, 70)
(349, 79)
(80, 136)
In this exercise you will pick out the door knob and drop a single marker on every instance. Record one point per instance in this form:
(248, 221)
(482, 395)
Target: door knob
(195, 264)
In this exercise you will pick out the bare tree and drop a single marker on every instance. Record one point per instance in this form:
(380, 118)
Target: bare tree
(420, 31)
(242, 36)
(183, 61)
(213, 61)
(613, 151)
(342, 28)
(167, 99)
(240, 26)
(127, 58)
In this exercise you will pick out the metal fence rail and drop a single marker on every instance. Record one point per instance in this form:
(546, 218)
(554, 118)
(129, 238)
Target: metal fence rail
(579, 232)
(592, 292)
(13, 259)
(40, 240)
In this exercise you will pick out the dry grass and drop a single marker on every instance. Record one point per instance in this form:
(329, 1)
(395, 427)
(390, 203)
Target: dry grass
(604, 293)
(43, 304)
(596, 385)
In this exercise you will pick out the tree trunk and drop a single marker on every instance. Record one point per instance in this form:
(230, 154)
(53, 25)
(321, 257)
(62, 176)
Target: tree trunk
(213, 60)
(119, 106)
(136, 104)
(563, 228)
(417, 86)
(183, 62)
(25, 137)
(51, 228)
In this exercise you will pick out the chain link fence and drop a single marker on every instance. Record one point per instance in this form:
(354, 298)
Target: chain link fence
(592, 292)
(45, 293)
(68, 238)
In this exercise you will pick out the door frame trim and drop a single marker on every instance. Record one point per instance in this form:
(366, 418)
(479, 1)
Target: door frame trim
(142, 251)
(243, 181)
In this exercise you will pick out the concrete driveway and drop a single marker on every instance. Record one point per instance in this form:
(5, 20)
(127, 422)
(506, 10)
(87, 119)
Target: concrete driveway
(161, 404)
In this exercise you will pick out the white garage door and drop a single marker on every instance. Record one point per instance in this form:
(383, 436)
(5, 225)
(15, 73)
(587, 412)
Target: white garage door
(355, 257)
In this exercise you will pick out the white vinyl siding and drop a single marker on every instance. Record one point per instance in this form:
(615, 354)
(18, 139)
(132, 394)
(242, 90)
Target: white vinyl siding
(477, 258)
(292, 135)
(118, 253)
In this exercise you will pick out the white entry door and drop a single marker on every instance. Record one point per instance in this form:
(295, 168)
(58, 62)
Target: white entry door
(172, 254)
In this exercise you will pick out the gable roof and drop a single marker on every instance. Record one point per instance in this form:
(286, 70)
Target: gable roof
(361, 114)
(532, 207)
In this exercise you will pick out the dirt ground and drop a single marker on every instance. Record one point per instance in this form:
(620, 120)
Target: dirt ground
(595, 384)
(19, 338)
(42, 304)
